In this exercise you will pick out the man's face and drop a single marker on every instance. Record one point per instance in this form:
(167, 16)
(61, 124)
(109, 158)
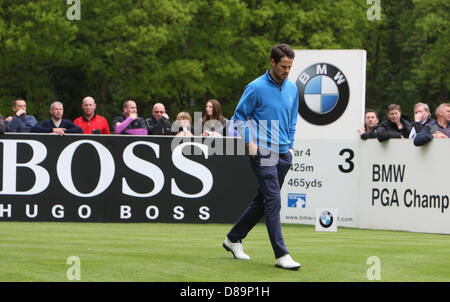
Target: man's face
(420, 110)
(371, 119)
(281, 69)
(445, 113)
(57, 111)
(88, 106)
(394, 116)
(130, 108)
(158, 111)
(20, 105)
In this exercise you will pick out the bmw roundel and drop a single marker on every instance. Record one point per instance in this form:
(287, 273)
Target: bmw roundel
(326, 219)
(323, 93)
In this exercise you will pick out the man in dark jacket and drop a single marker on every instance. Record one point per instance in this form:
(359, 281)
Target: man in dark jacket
(395, 126)
(159, 123)
(370, 128)
(129, 122)
(56, 124)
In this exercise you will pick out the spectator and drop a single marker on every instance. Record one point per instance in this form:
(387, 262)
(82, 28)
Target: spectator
(2, 125)
(182, 125)
(422, 117)
(56, 124)
(369, 130)
(20, 121)
(439, 128)
(89, 121)
(159, 123)
(129, 122)
(395, 126)
(231, 128)
(213, 122)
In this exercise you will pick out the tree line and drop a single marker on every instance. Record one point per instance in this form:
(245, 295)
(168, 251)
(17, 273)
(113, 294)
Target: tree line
(184, 52)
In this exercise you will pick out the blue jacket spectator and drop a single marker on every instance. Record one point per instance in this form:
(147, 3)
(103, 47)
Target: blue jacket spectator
(20, 121)
(231, 128)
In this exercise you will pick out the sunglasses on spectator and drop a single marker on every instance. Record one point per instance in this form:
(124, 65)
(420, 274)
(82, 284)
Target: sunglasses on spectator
(159, 111)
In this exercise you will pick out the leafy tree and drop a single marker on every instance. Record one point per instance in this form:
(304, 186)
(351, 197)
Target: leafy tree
(184, 52)
(33, 40)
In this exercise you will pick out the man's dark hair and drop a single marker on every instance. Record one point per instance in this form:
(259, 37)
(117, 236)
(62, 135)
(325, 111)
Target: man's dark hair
(372, 110)
(281, 50)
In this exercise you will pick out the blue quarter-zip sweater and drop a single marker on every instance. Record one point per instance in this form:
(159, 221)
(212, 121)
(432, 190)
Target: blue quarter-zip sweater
(267, 113)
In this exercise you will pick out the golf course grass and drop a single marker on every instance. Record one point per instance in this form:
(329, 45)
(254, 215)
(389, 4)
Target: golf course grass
(159, 252)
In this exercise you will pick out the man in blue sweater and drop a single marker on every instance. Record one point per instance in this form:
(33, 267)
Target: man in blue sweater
(266, 116)
(56, 124)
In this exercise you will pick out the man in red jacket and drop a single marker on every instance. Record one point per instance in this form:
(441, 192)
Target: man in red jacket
(90, 122)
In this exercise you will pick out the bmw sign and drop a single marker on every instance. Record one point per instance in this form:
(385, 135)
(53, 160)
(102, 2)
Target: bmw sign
(323, 93)
(326, 219)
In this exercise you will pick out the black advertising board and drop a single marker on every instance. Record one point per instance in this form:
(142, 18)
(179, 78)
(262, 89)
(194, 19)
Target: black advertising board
(113, 178)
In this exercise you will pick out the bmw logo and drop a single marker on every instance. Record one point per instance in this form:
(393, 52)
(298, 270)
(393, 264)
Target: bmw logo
(326, 219)
(323, 93)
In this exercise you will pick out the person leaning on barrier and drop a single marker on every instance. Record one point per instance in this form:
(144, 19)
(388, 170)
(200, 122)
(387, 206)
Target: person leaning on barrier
(231, 128)
(129, 122)
(395, 126)
(159, 123)
(2, 125)
(56, 124)
(20, 121)
(422, 116)
(182, 126)
(213, 122)
(90, 121)
(370, 128)
(439, 128)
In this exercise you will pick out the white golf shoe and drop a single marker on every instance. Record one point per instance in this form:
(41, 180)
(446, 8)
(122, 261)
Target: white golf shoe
(287, 262)
(236, 249)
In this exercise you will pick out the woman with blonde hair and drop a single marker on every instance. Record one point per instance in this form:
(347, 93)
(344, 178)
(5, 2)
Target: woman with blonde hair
(182, 124)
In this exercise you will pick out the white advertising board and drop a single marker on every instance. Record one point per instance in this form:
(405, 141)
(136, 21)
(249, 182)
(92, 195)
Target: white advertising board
(324, 173)
(404, 187)
(391, 185)
(331, 87)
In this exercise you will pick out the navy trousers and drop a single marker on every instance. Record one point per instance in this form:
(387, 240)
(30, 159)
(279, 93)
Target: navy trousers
(270, 171)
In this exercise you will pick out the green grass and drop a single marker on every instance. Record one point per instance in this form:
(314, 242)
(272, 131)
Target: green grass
(193, 252)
